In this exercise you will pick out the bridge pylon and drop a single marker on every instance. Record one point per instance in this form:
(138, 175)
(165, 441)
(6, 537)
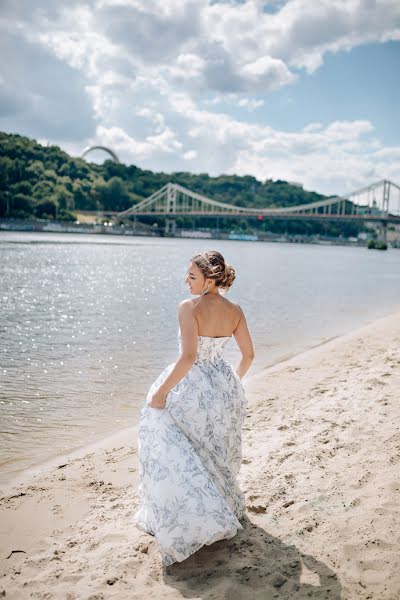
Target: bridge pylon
(170, 226)
(382, 235)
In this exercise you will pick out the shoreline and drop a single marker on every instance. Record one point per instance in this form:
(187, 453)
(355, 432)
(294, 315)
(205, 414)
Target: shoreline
(43, 467)
(24, 475)
(129, 234)
(320, 468)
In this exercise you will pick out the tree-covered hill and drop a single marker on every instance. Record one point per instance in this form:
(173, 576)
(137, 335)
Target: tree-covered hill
(36, 178)
(45, 182)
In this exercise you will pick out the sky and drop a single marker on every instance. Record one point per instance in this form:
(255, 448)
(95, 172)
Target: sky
(300, 90)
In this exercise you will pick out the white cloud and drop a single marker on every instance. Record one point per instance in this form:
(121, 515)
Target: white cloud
(125, 145)
(347, 130)
(190, 155)
(250, 103)
(166, 141)
(117, 139)
(314, 126)
(154, 116)
(166, 81)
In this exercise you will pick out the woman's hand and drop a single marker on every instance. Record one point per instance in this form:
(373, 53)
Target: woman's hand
(158, 399)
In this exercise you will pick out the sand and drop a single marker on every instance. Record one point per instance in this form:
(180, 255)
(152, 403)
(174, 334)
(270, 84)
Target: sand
(321, 474)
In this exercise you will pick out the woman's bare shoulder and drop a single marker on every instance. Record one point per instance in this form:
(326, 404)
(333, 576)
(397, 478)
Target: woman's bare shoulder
(196, 302)
(234, 309)
(234, 305)
(187, 303)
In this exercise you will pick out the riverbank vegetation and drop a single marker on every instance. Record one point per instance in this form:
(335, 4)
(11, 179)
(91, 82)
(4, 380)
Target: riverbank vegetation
(44, 182)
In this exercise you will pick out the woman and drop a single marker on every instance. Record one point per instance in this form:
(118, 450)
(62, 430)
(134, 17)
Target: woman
(189, 442)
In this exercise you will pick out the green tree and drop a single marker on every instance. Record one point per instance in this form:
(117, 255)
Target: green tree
(46, 209)
(113, 195)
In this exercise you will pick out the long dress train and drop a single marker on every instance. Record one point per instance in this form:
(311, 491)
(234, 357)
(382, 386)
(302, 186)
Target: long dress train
(190, 453)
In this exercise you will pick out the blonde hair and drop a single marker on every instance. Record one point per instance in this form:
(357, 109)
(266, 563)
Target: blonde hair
(213, 266)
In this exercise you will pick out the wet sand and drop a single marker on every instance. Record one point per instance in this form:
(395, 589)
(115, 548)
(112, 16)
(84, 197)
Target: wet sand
(321, 474)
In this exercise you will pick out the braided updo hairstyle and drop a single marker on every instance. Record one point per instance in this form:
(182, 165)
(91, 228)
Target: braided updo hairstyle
(213, 266)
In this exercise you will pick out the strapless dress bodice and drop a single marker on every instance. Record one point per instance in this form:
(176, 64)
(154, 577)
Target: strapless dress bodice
(208, 348)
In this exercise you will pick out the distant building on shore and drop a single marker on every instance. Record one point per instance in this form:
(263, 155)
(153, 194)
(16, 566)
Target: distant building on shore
(192, 233)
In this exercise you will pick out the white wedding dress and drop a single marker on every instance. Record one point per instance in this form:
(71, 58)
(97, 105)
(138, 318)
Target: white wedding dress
(190, 453)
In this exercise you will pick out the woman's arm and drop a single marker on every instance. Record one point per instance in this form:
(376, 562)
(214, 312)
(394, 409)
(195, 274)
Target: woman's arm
(243, 339)
(189, 338)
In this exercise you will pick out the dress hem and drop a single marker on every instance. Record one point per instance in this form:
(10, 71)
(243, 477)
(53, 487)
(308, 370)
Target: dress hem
(168, 560)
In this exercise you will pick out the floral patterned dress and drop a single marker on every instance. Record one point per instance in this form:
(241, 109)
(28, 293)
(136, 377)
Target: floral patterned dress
(190, 453)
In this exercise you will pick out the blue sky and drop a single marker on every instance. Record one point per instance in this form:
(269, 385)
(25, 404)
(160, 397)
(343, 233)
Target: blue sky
(302, 90)
(360, 84)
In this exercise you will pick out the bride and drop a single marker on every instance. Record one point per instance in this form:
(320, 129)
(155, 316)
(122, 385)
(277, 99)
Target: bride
(189, 440)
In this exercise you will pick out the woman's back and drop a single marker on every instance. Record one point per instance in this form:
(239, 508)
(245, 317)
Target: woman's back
(216, 316)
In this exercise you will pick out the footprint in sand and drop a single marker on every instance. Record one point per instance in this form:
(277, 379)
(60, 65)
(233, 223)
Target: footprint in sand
(56, 510)
(281, 459)
(393, 486)
(374, 382)
(256, 508)
(355, 502)
(362, 481)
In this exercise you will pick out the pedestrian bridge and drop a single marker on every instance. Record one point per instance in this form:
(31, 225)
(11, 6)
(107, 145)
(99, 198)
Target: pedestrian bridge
(379, 201)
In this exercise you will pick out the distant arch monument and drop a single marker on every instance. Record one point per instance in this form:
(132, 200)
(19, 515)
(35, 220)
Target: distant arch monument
(105, 149)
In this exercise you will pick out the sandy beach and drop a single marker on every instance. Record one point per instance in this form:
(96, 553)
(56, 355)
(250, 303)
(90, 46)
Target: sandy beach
(321, 474)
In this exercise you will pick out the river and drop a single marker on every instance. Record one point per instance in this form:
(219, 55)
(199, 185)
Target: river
(88, 321)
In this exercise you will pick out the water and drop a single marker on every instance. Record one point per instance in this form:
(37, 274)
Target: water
(87, 322)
